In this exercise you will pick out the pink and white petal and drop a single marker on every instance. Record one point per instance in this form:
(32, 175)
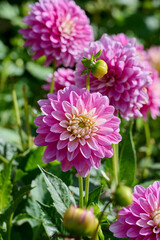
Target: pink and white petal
(56, 128)
(119, 230)
(73, 98)
(64, 135)
(131, 220)
(49, 153)
(40, 140)
(43, 129)
(93, 143)
(46, 109)
(105, 130)
(39, 120)
(103, 140)
(43, 102)
(146, 231)
(86, 151)
(85, 171)
(61, 154)
(58, 115)
(72, 145)
(52, 137)
(49, 120)
(72, 155)
(80, 105)
(144, 205)
(61, 144)
(115, 137)
(67, 107)
(133, 232)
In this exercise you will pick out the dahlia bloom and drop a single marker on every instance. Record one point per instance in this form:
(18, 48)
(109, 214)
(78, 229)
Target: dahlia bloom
(58, 29)
(78, 129)
(154, 57)
(141, 219)
(153, 91)
(126, 80)
(63, 77)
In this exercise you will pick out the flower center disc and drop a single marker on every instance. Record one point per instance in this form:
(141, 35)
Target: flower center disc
(156, 217)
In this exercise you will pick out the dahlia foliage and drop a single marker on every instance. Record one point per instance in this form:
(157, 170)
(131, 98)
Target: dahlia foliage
(141, 219)
(58, 29)
(126, 80)
(78, 129)
(63, 77)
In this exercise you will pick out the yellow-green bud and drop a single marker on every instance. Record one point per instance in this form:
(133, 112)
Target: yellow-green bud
(123, 195)
(80, 222)
(99, 69)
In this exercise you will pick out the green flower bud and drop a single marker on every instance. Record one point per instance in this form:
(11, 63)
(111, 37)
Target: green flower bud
(80, 222)
(99, 69)
(123, 195)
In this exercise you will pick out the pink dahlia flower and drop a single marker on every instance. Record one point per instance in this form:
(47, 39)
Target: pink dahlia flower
(154, 57)
(153, 91)
(58, 29)
(63, 77)
(78, 129)
(126, 80)
(141, 219)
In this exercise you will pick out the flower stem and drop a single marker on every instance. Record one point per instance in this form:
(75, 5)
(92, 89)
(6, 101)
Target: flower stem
(88, 81)
(115, 163)
(17, 115)
(80, 180)
(3, 159)
(27, 118)
(52, 81)
(86, 190)
(149, 147)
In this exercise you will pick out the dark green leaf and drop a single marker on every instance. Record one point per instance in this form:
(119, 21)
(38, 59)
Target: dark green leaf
(84, 71)
(86, 63)
(94, 196)
(97, 55)
(127, 159)
(60, 193)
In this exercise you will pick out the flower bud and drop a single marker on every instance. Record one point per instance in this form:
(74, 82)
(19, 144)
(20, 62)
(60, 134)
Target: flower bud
(99, 69)
(123, 195)
(80, 222)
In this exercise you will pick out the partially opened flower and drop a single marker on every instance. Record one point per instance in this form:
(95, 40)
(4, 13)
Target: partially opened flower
(58, 29)
(140, 220)
(63, 77)
(154, 57)
(78, 129)
(126, 79)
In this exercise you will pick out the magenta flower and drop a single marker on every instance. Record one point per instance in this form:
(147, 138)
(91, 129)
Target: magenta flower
(126, 80)
(58, 29)
(154, 57)
(153, 91)
(78, 129)
(63, 77)
(141, 219)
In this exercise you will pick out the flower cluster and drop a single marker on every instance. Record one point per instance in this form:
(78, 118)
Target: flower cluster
(63, 77)
(58, 29)
(140, 220)
(126, 79)
(78, 129)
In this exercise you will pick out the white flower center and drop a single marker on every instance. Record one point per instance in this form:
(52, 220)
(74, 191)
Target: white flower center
(67, 25)
(82, 126)
(156, 217)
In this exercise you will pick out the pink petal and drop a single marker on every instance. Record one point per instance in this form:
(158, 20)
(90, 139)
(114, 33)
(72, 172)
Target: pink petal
(51, 137)
(93, 143)
(56, 128)
(40, 140)
(39, 120)
(72, 145)
(133, 232)
(66, 165)
(64, 135)
(86, 151)
(43, 129)
(66, 106)
(58, 115)
(61, 144)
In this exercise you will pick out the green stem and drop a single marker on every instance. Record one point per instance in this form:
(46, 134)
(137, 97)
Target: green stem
(27, 117)
(149, 147)
(3, 159)
(52, 81)
(88, 81)
(10, 226)
(80, 180)
(86, 190)
(115, 163)
(17, 115)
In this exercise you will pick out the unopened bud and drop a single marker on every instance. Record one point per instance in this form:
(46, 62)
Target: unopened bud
(99, 69)
(80, 222)
(123, 195)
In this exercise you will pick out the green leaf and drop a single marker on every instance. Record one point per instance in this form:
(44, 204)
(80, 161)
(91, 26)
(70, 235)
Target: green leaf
(5, 186)
(60, 193)
(34, 159)
(97, 55)
(84, 71)
(128, 159)
(19, 174)
(101, 235)
(94, 196)
(86, 63)
(51, 220)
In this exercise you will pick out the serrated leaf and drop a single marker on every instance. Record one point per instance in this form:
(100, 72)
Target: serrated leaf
(5, 186)
(51, 220)
(97, 55)
(60, 193)
(127, 159)
(94, 196)
(86, 63)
